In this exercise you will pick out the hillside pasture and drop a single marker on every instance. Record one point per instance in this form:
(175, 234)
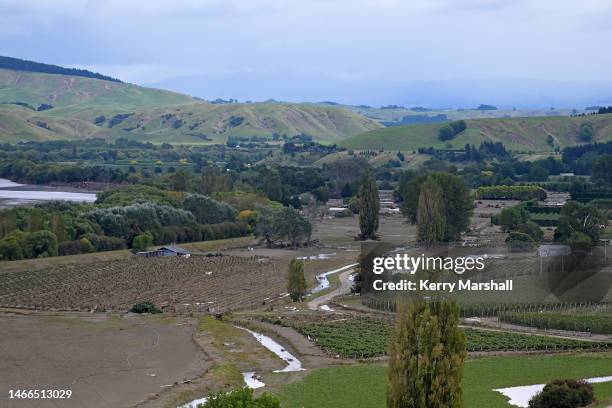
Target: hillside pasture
(518, 134)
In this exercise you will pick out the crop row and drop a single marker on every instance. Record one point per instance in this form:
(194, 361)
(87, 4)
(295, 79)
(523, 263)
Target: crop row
(183, 284)
(587, 322)
(361, 337)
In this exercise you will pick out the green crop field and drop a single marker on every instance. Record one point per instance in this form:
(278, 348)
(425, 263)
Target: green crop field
(600, 322)
(364, 385)
(519, 134)
(364, 337)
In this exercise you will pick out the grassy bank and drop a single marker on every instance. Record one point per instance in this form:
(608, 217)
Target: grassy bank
(364, 385)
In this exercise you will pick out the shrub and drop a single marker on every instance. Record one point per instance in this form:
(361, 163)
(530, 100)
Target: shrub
(563, 394)
(10, 249)
(532, 229)
(79, 246)
(142, 242)
(242, 397)
(448, 132)
(248, 217)
(41, 244)
(104, 243)
(117, 221)
(510, 218)
(522, 193)
(353, 205)
(209, 211)
(145, 307)
(344, 213)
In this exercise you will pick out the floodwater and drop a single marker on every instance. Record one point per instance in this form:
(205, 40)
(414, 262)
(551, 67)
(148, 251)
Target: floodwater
(251, 381)
(324, 282)
(12, 198)
(293, 364)
(317, 257)
(194, 403)
(520, 396)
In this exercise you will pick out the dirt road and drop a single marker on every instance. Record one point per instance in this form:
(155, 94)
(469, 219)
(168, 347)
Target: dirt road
(344, 288)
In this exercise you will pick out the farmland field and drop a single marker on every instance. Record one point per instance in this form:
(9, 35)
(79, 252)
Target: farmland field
(362, 337)
(364, 385)
(596, 321)
(197, 283)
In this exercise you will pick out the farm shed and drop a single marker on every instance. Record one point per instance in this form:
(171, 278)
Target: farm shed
(166, 251)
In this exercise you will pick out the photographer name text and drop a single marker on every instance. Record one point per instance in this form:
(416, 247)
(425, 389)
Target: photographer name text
(425, 285)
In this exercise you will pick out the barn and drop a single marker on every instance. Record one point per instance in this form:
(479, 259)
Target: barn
(171, 250)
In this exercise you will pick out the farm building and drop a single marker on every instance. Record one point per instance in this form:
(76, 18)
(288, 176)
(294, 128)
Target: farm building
(171, 250)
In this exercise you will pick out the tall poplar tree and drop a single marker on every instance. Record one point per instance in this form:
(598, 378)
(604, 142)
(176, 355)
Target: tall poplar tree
(431, 217)
(296, 282)
(369, 206)
(426, 357)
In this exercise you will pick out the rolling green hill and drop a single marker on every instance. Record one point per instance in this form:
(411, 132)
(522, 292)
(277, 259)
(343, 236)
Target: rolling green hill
(520, 134)
(71, 94)
(22, 124)
(200, 122)
(38, 106)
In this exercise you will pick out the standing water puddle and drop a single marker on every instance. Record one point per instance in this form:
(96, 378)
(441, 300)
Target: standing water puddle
(324, 282)
(317, 257)
(194, 403)
(251, 381)
(293, 364)
(520, 396)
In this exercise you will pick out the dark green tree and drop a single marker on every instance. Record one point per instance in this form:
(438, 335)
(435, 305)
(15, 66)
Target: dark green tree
(296, 283)
(532, 229)
(369, 207)
(426, 357)
(430, 214)
(214, 180)
(511, 218)
(142, 242)
(458, 203)
(347, 191)
(586, 132)
(578, 220)
(40, 244)
(209, 211)
(181, 181)
(282, 224)
(602, 170)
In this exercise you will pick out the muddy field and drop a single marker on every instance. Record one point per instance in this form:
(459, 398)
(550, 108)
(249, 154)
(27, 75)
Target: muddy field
(108, 361)
(182, 284)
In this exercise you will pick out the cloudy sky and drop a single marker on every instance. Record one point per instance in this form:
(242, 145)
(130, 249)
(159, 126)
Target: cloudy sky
(454, 53)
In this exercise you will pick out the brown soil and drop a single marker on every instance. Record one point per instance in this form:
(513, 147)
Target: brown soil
(106, 360)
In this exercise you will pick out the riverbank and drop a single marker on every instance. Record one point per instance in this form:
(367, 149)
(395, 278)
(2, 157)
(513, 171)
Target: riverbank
(23, 195)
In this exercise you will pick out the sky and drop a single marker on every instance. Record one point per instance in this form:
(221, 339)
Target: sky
(434, 53)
